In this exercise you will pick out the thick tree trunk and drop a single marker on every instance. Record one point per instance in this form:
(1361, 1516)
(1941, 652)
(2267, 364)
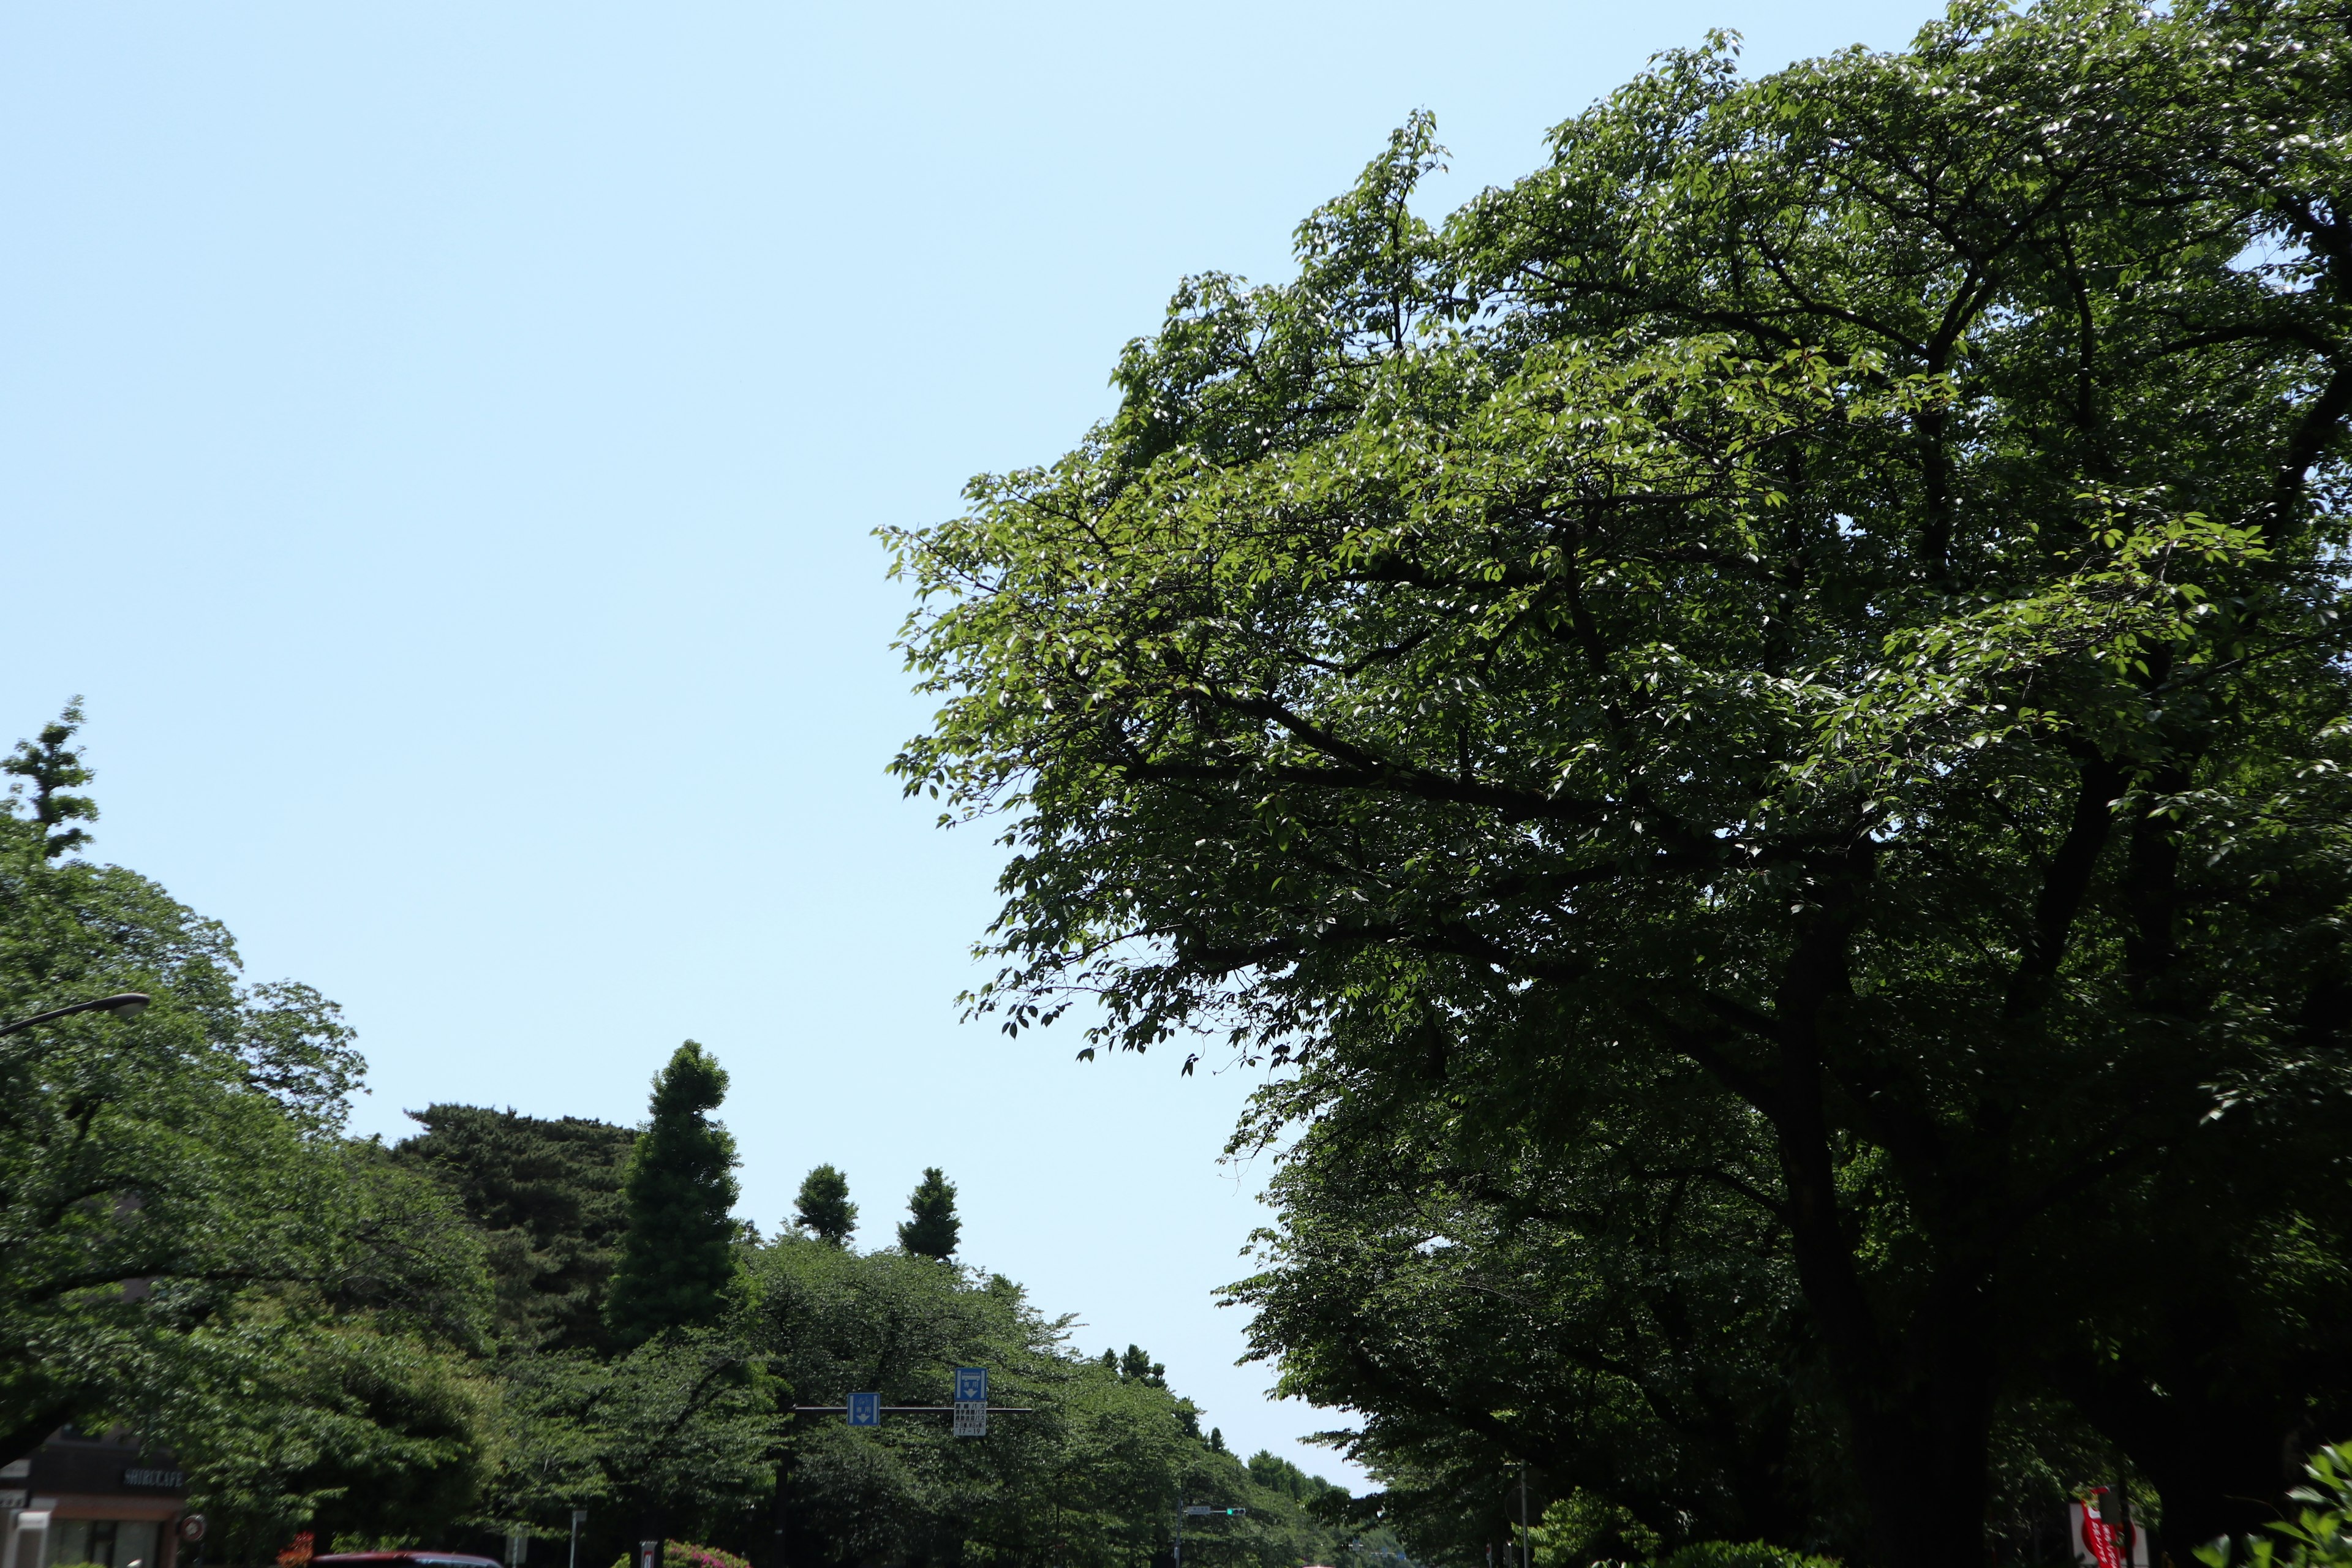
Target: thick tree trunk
(1917, 1398)
(1921, 1451)
(2221, 1467)
(1918, 1391)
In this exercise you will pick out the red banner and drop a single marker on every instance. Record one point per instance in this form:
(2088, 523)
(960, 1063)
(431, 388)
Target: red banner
(2106, 1550)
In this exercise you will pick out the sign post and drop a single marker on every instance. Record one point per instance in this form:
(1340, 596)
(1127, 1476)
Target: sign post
(1194, 1510)
(579, 1517)
(971, 1401)
(970, 1409)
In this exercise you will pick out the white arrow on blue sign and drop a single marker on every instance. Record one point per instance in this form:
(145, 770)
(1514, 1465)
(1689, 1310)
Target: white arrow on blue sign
(865, 1410)
(971, 1384)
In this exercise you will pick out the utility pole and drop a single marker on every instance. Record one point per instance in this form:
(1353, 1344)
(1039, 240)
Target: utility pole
(1526, 1561)
(2122, 1525)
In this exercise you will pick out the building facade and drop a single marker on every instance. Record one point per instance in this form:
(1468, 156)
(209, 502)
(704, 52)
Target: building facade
(102, 1500)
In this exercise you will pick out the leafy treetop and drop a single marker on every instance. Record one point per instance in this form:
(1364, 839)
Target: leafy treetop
(931, 1226)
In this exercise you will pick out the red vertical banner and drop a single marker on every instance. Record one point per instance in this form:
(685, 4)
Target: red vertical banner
(2099, 1535)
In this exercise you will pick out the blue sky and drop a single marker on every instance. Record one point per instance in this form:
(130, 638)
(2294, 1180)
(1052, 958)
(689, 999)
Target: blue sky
(442, 441)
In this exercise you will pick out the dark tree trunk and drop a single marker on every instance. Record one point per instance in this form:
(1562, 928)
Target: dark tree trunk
(2220, 1466)
(1921, 1439)
(1918, 1391)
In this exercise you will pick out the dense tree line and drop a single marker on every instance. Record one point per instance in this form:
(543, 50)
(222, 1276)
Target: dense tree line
(504, 1318)
(1760, 720)
(683, 1427)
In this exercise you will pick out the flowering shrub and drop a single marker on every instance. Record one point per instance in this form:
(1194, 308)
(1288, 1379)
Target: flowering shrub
(687, 1554)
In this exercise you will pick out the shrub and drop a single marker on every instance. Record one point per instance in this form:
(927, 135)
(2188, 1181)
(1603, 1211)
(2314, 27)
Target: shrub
(687, 1554)
(2319, 1536)
(1740, 1554)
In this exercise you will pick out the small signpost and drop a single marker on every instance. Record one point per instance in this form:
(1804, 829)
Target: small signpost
(971, 1401)
(865, 1410)
(1196, 1510)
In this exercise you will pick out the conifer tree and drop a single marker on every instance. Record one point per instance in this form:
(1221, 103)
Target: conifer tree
(931, 1231)
(676, 1258)
(824, 1208)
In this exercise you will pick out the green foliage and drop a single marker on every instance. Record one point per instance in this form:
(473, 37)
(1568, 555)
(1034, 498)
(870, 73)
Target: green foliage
(546, 1196)
(188, 1244)
(676, 1256)
(1778, 691)
(1583, 1528)
(931, 1227)
(823, 1209)
(334, 1422)
(53, 766)
(687, 1554)
(1739, 1554)
(1089, 1478)
(2319, 1535)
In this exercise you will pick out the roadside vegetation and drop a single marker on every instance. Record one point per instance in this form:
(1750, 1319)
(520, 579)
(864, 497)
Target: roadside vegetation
(504, 1318)
(1753, 728)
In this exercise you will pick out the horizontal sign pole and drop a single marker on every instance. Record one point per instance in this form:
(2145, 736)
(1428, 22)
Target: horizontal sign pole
(912, 1410)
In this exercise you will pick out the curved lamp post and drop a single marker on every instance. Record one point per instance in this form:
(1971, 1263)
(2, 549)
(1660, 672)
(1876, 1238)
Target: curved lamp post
(127, 1003)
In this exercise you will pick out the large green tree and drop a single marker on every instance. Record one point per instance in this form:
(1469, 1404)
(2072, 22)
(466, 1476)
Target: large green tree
(1818, 613)
(676, 1255)
(823, 1207)
(545, 1194)
(188, 1243)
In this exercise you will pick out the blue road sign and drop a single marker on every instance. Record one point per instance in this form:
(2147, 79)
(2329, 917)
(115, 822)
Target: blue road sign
(865, 1410)
(971, 1384)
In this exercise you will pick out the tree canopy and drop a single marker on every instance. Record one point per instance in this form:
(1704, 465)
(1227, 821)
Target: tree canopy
(188, 1243)
(546, 1195)
(932, 1226)
(1789, 667)
(823, 1207)
(676, 1258)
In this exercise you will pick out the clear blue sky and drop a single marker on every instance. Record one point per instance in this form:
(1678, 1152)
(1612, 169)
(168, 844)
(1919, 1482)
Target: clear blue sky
(442, 441)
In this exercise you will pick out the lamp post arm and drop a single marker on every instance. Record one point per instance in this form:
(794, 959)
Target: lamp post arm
(129, 1004)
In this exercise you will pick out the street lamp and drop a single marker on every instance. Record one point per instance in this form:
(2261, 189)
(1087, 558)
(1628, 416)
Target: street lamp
(127, 1005)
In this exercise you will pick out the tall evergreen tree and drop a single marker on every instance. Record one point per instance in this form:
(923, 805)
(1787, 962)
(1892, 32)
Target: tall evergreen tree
(824, 1208)
(546, 1196)
(676, 1258)
(930, 1231)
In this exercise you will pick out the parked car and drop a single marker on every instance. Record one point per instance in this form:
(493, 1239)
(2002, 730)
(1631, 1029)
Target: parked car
(402, 1560)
